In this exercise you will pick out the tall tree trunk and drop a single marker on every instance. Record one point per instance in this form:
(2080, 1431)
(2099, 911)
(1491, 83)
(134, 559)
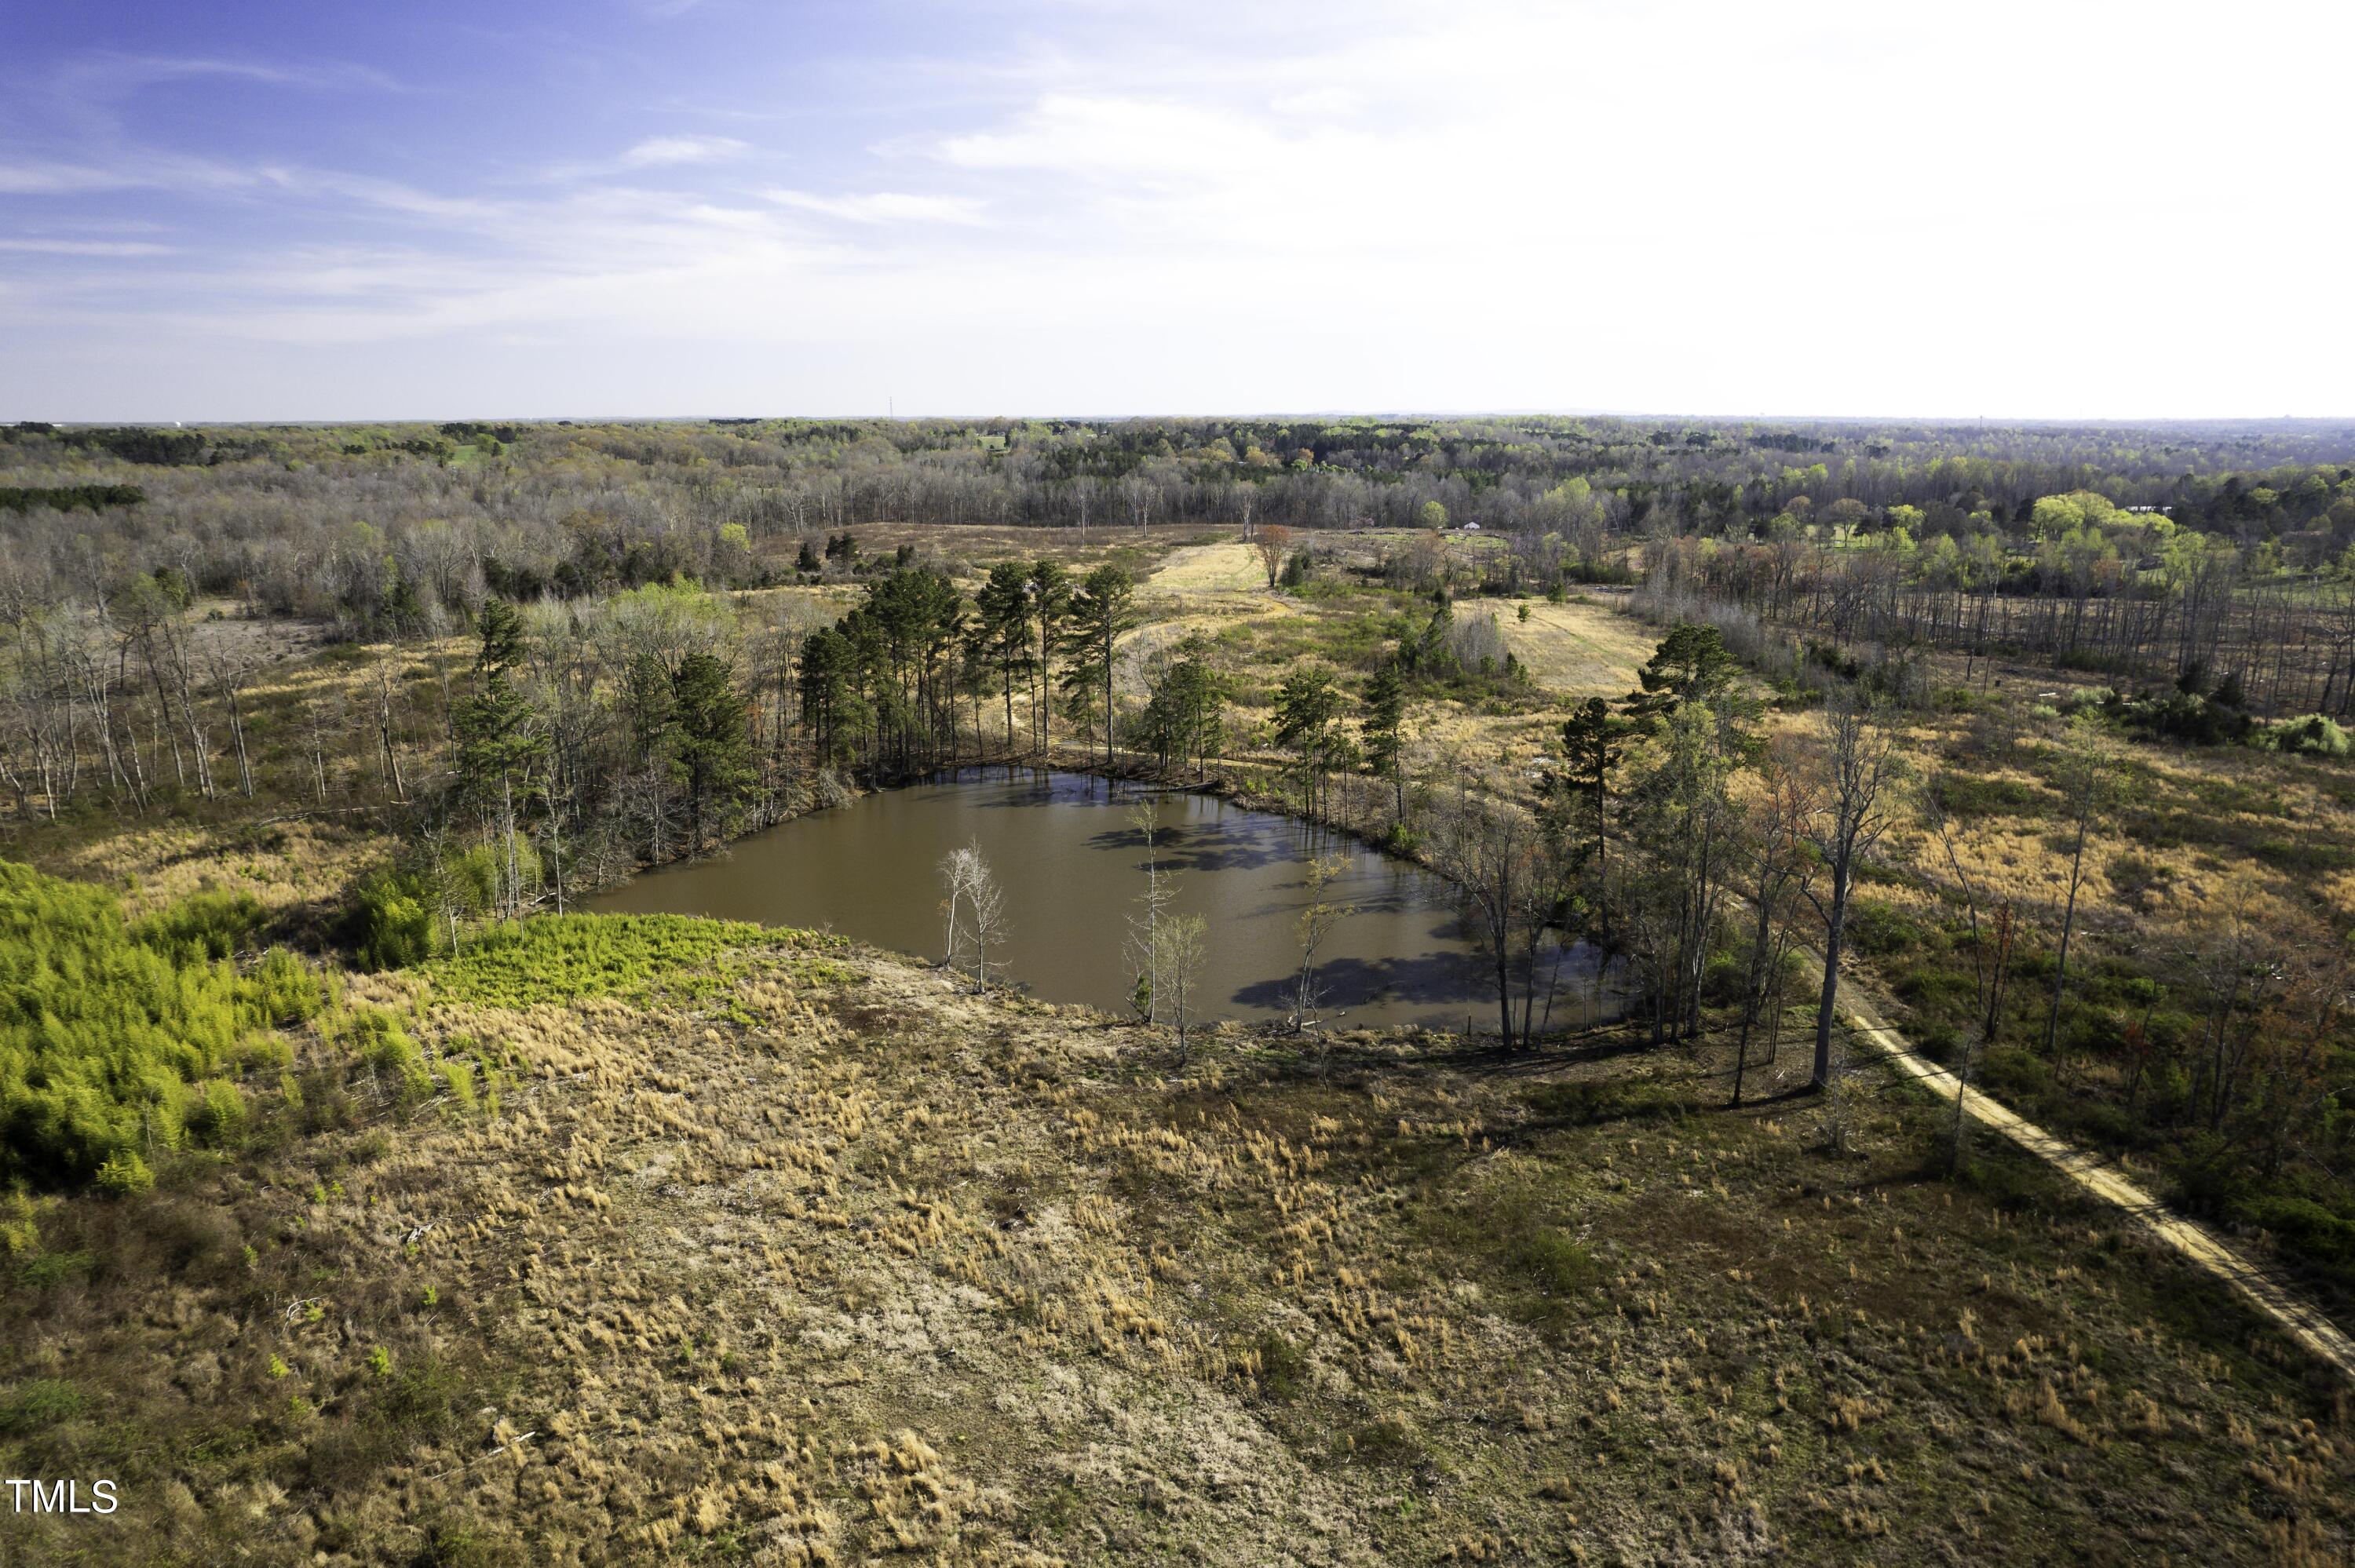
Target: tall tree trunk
(1828, 1008)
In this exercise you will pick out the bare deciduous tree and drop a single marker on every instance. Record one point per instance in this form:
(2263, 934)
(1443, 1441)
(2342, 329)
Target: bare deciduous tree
(2084, 784)
(974, 910)
(1144, 946)
(1860, 769)
(1271, 544)
(1182, 944)
(1776, 867)
(1315, 923)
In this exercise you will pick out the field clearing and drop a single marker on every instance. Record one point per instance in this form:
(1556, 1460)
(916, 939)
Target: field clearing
(1581, 649)
(1230, 567)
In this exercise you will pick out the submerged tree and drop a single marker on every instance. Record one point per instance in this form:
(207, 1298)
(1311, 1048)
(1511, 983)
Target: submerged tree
(1315, 923)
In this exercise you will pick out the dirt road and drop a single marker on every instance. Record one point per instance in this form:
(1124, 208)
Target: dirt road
(2298, 1318)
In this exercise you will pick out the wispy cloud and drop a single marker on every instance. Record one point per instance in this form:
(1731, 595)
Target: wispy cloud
(86, 248)
(884, 207)
(60, 179)
(107, 73)
(660, 151)
(1377, 204)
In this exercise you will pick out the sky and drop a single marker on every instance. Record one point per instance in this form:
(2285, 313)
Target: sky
(251, 209)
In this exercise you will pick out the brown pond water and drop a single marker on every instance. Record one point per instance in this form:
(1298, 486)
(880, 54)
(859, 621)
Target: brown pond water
(1072, 866)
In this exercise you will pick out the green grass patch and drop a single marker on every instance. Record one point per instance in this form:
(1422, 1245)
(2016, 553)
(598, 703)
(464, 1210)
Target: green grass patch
(638, 957)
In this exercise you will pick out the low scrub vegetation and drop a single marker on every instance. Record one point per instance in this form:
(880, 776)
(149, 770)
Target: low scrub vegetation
(118, 1040)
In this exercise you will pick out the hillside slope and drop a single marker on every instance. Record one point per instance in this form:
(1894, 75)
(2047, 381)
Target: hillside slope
(793, 1256)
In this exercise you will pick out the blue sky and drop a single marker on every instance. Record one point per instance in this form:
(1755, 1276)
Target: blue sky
(2068, 208)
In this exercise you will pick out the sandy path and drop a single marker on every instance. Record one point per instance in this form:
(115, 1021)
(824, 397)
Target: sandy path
(2298, 1318)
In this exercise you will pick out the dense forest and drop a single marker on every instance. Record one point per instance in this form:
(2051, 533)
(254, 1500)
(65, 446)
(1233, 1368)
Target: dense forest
(2045, 534)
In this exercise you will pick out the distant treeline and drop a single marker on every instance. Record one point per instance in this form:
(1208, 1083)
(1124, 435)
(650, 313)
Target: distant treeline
(70, 497)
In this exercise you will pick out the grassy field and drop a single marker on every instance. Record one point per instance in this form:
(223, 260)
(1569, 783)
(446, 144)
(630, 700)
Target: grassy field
(1581, 649)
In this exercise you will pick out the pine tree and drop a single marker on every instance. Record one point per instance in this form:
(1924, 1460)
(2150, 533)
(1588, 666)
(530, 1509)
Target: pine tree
(1103, 611)
(1384, 728)
(1578, 798)
(715, 748)
(1691, 664)
(501, 740)
(1001, 631)
(1305, 706)
(1050, 606)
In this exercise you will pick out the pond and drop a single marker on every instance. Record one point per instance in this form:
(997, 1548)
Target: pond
(1073, 867)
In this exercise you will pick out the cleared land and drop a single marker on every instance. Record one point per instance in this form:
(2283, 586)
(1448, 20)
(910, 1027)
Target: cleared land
(1580, 649)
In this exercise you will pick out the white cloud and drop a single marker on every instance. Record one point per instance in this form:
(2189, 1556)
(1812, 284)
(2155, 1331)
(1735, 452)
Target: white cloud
(59, 179)
(104, 74)
(883, 206)
(85, 248)
(1834, 206)
(661, 152)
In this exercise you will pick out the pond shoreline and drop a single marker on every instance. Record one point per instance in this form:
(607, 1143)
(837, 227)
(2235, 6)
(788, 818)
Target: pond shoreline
(1072, 868)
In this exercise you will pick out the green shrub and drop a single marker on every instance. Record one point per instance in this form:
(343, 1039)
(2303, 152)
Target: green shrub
(220, 1114)
(380, 1042)
(458, 1072)
(104, 1027)
(1724, 980)
(287, 991)
(124, 1174)
(390, 924)
(2306, 1228)
(1935, 990)
(39, 1403)
(1964, 795)
(205, 926)
(1588, 1101)
(1877, 929)
(2007, 1069)
(2316, 734)
(565, 958)
(1553, 1262)
(1941, 1043)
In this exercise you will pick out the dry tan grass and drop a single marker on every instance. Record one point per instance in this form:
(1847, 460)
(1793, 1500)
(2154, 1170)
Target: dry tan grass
(1581, 649)
(1233, 567)
(891, 1271)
